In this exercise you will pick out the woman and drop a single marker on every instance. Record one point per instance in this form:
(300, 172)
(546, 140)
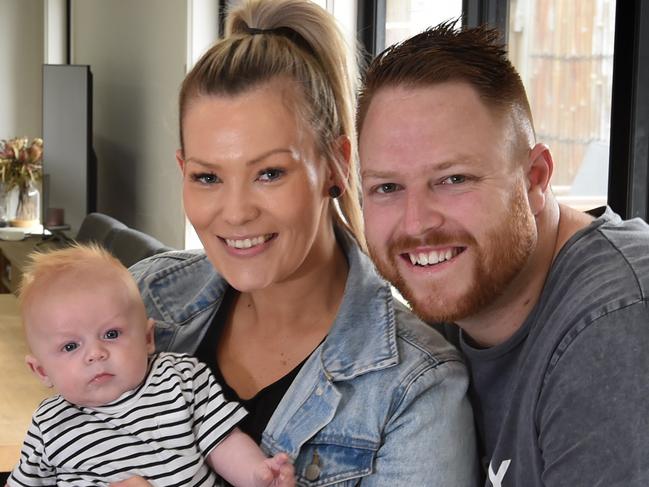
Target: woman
(283, 305)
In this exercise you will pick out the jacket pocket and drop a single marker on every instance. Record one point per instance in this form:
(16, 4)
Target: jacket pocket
(333, 463)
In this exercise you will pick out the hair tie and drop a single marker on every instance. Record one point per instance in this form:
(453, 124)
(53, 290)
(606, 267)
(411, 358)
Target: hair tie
(283, 31)
(254, 31)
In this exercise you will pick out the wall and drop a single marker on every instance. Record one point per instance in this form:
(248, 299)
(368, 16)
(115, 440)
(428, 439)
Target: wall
(137, 52)
(21, 56)
(55, 32)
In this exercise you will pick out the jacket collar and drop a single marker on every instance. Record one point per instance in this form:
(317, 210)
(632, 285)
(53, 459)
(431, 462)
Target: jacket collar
(363, 336)
(192, 287)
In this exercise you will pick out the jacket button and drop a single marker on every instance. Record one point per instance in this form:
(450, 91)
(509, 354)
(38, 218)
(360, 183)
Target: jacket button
(312, 472)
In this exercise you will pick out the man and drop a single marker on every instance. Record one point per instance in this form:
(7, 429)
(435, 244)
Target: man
(551, 303)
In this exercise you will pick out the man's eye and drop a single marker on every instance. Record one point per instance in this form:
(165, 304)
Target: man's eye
(454, 179)
(205, 178)
(111, 334)
(270, 174)
(70, 347)
(386, 188)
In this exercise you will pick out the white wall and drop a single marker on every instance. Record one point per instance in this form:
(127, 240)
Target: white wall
(54, 28)
(137, 52)
(21, 56)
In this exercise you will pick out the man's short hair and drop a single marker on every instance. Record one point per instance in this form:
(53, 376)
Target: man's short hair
(444, 54)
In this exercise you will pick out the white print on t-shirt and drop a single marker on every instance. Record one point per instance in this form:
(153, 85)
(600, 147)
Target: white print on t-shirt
(496, 479)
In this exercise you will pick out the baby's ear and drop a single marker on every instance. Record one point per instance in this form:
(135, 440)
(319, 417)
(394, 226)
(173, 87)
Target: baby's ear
(38, 370)
(150, 336)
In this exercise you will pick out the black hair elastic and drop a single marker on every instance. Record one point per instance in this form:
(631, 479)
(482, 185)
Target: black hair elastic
(283, 31)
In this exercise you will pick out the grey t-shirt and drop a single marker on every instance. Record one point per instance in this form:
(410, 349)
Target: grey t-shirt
(565, 401)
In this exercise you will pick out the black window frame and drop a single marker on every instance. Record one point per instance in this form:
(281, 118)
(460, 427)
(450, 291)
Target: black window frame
(370, 27)
(628, 178)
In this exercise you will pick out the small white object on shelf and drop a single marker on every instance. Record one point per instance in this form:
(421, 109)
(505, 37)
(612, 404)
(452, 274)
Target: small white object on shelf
(12, 233)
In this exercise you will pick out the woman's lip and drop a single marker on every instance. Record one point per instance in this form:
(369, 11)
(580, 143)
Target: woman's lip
(245, 243)
(244, 237)
(248, 251)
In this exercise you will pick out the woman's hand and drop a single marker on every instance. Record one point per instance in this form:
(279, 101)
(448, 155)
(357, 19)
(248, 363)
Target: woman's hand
(132, 482)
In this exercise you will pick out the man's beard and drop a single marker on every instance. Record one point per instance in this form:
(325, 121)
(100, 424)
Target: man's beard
(496, 262)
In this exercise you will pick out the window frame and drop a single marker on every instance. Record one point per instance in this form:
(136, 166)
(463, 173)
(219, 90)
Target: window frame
(628, 178)
(370, 26)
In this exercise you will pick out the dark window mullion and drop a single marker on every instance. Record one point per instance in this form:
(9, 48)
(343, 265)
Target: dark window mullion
(223, 10)
(494, 13)
(629, 150)
(371, 26)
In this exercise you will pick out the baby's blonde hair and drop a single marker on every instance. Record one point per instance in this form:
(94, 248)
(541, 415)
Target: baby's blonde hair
(46, 267)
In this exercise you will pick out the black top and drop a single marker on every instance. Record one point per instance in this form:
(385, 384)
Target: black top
(262, 405)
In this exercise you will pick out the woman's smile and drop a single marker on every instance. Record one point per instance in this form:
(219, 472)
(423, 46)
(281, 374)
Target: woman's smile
(248, 242)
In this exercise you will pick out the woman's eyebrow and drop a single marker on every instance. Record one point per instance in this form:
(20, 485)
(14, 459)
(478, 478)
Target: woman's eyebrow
(251, 162)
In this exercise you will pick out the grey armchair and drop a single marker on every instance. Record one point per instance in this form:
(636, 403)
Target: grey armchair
(96, 227)
(127, 244)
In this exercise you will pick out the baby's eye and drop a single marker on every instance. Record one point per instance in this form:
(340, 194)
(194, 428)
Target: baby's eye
(111, 334)
(454, 179)
(386, 188)
(270, 174)
(70, 347)
(205, 178)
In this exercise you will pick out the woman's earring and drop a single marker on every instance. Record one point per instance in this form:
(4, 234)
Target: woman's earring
(334, 191)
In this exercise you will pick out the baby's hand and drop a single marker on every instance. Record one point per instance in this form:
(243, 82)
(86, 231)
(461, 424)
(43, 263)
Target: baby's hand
(277, 471)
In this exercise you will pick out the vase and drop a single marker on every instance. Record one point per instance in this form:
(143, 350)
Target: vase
(4, 209)
(28, 210)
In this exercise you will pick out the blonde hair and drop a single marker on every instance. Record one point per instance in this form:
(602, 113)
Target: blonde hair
(296, 39)
(46, 267)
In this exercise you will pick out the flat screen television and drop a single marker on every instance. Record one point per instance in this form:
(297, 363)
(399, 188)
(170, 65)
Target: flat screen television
(69, 163)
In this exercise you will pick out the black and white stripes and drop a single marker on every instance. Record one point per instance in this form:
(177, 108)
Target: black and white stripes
(162, 431)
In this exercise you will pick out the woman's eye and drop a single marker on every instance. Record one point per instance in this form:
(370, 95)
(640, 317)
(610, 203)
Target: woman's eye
(270, 174)
(111, 334)
(205, 178)
(70, 347)
(386, 188)
(454, 179)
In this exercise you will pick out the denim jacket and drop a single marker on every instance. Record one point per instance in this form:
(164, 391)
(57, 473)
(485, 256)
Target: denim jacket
(381, 402)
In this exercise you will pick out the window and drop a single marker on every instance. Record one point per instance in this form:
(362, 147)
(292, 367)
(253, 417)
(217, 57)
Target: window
(564, 53)
(405, 18)
(345, 13)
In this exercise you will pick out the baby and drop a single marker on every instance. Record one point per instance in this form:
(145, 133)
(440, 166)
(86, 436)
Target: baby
(121, 410)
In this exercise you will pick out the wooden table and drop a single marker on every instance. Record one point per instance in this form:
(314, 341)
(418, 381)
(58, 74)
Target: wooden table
(14, 255)
(20, 390)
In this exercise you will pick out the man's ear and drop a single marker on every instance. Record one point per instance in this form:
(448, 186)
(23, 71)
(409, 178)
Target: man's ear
(38, 370)
(539, 171)
(150, 336)
(180, 160)
(339, 169)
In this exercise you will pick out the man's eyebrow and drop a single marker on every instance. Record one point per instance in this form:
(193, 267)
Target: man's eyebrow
(442, 166)
(251, 162)
(378, 174)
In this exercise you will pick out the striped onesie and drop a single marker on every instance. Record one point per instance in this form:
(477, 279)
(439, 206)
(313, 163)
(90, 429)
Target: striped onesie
(162, 431)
